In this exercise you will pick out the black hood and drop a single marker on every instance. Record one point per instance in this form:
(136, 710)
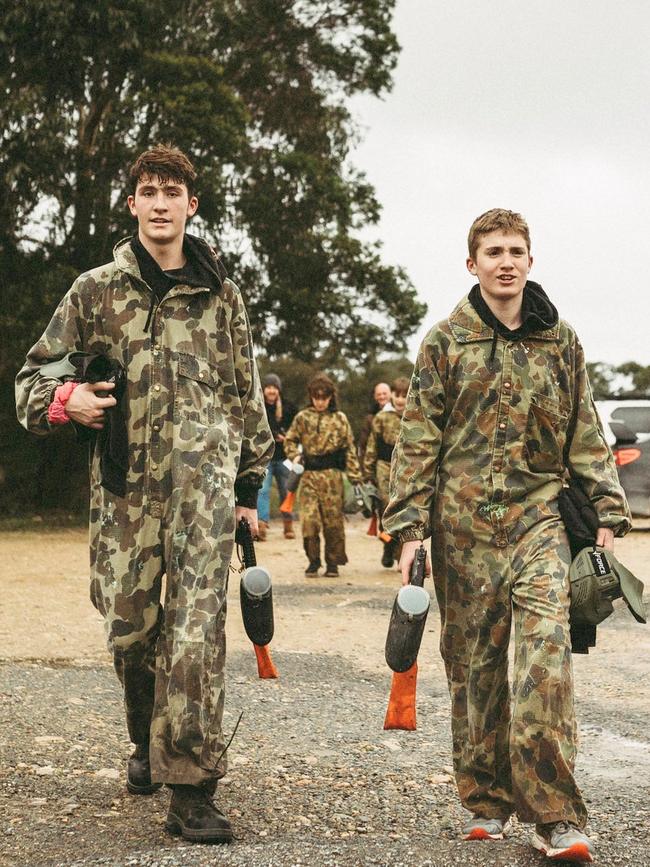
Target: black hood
(205, 261)
(202, 267)
(538, 313)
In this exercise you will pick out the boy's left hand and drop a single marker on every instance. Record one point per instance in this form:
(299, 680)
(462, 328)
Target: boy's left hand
(605, 538)
(251, 517)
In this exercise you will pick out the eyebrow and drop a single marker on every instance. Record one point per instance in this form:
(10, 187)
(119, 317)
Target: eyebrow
(515, 248)
(174, 187)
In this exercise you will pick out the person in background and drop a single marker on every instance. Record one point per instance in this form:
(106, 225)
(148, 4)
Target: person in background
(379, 451)
(280, 413)
(328, 451)
(380, 397)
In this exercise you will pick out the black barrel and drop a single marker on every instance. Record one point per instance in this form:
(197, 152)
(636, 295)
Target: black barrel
(406, 627)
(256, 598)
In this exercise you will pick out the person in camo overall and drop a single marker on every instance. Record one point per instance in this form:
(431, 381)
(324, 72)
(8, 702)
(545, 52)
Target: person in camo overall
(198, 446)
(328, 450)
(379, 451)
(499, 413)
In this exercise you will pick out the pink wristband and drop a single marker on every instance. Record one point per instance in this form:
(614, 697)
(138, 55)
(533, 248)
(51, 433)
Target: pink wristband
(56, 413)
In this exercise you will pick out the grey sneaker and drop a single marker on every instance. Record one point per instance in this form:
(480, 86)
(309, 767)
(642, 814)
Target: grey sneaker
(562, 841)
(486, 829)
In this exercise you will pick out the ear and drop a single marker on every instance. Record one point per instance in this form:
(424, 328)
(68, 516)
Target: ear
(130, 200)
(192, 206)
(471, 266)
(530, 262)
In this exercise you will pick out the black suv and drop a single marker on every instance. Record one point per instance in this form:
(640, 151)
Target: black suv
(627, 428)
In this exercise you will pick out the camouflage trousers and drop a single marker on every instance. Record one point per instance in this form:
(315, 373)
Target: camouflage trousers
(321, 511)
(169, 658)
(511, 752)
(382, 475)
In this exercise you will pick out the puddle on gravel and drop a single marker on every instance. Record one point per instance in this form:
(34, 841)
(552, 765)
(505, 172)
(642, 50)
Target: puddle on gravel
(610, 756)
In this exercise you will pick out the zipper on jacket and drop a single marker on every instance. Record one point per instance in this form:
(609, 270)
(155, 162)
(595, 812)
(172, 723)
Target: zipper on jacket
(153, 307)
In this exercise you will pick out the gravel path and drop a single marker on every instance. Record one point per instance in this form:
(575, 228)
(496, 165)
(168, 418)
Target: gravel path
(314, 780)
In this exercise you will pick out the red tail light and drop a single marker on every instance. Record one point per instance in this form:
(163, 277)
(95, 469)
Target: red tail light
(626, 456)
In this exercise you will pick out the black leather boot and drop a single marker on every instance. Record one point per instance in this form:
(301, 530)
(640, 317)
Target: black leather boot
(193, 815)
(390, 549)
(138, 772)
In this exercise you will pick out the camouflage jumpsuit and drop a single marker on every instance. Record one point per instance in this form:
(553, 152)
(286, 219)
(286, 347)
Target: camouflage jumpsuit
(321, 491)
(479, 463)
(197, 430)
(381, 441)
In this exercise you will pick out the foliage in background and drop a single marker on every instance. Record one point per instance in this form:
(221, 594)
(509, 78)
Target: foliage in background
(354, 385)
(256, 92)
(627, 381)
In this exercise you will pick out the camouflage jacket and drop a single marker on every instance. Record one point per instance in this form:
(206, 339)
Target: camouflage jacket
(320, 433)
(383, 436)
(494, 440)
(193, 393)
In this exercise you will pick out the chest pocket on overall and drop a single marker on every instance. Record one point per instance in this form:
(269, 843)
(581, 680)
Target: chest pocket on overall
(545, 435)
(196, 389)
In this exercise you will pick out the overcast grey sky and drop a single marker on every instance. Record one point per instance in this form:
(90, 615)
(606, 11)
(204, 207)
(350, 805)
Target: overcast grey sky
(540, 107)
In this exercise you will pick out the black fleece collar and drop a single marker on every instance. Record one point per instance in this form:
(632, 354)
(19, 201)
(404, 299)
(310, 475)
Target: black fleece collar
(538, 313)
(201, 267)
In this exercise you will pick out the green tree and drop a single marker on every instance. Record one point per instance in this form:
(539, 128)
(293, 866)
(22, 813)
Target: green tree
(254, 91)
(354, 384)
(601, 378)
(639, 377)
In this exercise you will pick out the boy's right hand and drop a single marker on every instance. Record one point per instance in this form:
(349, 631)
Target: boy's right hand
(86, 407)
(408, 556)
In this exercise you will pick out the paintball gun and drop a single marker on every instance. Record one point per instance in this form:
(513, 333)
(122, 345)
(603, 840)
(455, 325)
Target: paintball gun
(256, 598)
(403, 641)
(296, 470)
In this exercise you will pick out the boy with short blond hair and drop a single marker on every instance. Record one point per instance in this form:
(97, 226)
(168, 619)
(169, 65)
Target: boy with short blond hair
(499, 414)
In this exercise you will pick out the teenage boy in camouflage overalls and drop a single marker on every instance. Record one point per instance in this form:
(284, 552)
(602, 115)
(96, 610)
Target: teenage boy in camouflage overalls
(499, 413)
(198, 445)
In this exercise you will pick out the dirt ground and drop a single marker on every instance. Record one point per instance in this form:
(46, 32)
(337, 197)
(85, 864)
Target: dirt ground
(314, 779)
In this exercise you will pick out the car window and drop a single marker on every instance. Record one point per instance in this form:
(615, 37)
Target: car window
(636, 418)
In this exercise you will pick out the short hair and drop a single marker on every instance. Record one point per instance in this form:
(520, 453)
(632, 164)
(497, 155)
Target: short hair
(496, 220)
(400, 385)
(167, 163)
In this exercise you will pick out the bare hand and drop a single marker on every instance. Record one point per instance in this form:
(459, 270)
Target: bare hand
(408, 556)
(86, 407)
(605, 538)
(251, 517)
